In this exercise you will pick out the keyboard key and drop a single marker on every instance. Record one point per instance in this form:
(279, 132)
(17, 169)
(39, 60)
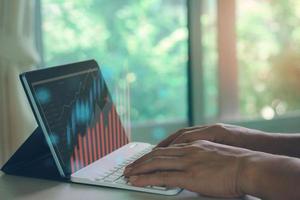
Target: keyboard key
(116, 173)
(122, 180)
(98, 178)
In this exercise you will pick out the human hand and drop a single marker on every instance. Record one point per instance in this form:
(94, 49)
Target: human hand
(219, 133)
(204, 167)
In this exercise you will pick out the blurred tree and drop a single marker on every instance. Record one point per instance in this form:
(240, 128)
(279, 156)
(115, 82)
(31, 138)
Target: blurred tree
(266, 31)
(147, 38)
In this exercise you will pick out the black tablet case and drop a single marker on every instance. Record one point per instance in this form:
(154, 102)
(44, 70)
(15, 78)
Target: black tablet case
(33, 159)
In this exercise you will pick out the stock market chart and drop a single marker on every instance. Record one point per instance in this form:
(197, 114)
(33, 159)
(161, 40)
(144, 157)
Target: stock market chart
(80, 116)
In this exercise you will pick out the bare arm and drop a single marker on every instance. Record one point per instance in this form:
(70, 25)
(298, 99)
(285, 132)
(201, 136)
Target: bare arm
(271, 177)
(274, 143)
(219, 170)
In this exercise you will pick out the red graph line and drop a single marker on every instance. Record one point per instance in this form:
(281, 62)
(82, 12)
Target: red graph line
(98, 134)
(105, 136)
(76, 158)
(94, 144)
(90, 152)
(106, 141)
(102, 135)
(124, 136)
(118, 131)
(115, 145)
(110, 132)
(86, 162)
(121, 132)
(116, 127)
(113, 134)
(80, 150)
(72, 164)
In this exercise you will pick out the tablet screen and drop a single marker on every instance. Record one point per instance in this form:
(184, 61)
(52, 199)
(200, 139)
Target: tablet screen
(78, 113)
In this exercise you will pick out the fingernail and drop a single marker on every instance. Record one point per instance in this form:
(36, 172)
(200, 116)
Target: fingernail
(132, 179)
(127, 170)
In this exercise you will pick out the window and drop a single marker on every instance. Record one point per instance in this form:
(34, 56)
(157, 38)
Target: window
(241, 57)
(250, 61)
(268, 37)
(140, 43)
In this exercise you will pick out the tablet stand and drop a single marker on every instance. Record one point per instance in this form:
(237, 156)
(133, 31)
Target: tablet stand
(33, 159)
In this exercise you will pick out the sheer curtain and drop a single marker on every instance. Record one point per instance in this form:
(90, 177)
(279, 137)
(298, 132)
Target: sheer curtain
(17, 54)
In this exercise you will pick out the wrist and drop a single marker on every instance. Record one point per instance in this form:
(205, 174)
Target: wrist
(269, 176)
(250, 173)
(257, 140)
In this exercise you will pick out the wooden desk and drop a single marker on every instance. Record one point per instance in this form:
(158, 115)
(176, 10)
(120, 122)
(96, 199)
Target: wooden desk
(21, 188)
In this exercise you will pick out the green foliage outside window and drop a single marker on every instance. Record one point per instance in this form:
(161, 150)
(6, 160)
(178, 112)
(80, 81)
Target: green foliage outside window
(144, 42)
(268, 53)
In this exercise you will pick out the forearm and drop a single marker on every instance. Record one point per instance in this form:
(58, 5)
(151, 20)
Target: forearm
(270, 177)
(287, 144)
(274, 143)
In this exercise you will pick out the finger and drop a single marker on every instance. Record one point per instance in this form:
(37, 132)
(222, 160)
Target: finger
(169, 139)
(168, 151)
(190, 136)
(179, 145)
(168, 179)
(158, 164)
(172, 137)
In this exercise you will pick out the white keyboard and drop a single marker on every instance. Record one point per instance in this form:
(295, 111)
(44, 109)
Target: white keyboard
(108, 171)
(115, 175)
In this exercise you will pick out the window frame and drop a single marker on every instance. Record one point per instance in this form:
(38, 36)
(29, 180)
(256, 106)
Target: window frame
(228, 85)
(195, 66)
(38, 32)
